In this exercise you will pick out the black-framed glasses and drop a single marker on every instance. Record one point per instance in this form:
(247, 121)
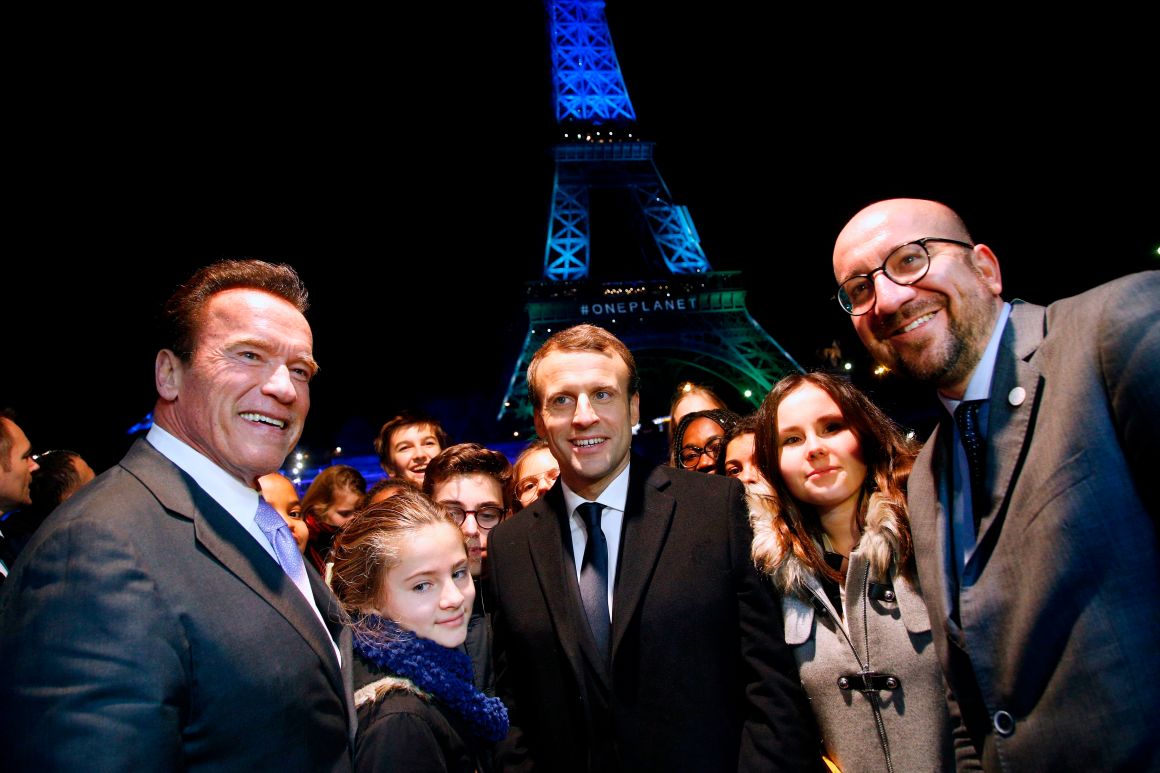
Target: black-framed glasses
(905, 265)
(488, 516)
(691, 455)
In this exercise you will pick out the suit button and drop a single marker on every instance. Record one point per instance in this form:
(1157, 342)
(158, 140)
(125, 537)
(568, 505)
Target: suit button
(1004, 723)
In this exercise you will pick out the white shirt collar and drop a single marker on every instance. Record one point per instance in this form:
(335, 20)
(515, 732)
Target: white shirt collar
(615, 496)
(238, 499)
(979, 387)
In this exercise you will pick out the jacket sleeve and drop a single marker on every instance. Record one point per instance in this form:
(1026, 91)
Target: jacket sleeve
(779, 732)
(1129, 346)
(92, 672)
(402, 742)
(511, 753)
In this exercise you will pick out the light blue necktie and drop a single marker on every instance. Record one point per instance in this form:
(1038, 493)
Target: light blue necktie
(285, 548)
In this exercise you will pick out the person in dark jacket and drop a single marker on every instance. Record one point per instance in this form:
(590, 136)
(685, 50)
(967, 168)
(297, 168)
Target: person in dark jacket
(401, 571)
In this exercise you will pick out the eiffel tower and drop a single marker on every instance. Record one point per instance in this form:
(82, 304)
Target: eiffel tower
(682, 322)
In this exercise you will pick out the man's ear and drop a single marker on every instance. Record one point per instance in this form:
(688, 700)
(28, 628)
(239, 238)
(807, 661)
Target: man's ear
(168, 371)
(987, 264)
(538, 420)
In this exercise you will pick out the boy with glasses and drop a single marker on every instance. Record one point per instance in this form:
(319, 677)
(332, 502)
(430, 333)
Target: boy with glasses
(472, 483)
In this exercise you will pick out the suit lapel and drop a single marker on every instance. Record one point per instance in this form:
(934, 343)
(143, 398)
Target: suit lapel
(927, 498)
(648, 514)
(1012, 405)
(223, 537)
(556, 572)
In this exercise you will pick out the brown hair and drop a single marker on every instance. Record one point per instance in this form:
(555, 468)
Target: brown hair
(581, 338)
(324, 488)
(537, 444)
(746, 425)
(56, 480)
(887, 453)
(370, 546)
(399, 484)
(402, 421)
(467, 459)
(183, 311)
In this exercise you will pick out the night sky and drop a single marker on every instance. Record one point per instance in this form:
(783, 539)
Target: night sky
(404, 169)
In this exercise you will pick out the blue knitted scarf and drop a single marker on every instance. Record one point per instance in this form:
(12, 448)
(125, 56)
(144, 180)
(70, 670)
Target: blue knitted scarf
(441, 671)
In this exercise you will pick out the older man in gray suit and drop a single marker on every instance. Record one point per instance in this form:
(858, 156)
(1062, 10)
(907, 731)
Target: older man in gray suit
(1035, 528)
(163, 618)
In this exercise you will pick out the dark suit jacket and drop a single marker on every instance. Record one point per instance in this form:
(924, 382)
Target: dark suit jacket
(701, 678)
(144, 629)
(1060, 615)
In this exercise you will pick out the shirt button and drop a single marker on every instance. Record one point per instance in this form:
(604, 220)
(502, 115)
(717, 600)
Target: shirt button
(1004, 723)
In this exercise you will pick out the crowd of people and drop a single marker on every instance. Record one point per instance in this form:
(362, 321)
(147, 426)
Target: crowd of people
(805, 588)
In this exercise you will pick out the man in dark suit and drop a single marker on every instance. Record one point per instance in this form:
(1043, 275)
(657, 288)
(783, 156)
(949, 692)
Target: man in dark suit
(649, 642)
(1033, 519)
(17, 464)
(157, 620)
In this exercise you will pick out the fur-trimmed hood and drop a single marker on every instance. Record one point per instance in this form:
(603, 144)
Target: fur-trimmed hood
(379, 688)
(879, 544)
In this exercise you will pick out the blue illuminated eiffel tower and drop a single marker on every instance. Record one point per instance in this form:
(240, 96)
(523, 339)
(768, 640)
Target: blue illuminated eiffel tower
(684, 321)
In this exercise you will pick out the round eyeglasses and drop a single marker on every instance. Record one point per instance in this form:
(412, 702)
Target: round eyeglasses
(905, 265)
(691, 455)
(531, 483)
(488, 516)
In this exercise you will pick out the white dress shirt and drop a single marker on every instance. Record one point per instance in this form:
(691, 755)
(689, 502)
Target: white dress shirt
(236, 498)
(611, 519)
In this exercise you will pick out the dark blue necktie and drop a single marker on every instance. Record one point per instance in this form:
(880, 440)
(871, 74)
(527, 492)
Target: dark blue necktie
(967, 419)
(594, 578)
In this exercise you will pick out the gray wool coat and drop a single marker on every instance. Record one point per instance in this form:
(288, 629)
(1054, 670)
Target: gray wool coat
(884, 629)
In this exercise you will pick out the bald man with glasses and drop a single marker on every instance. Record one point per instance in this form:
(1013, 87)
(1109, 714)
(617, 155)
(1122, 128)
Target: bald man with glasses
(1034, 521)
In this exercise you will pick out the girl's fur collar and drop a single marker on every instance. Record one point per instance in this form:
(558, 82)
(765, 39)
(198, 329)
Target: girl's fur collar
(879, 544)
(376, 690)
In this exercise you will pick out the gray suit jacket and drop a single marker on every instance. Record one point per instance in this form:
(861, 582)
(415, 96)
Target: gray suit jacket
(1053, 657)
(144, 629)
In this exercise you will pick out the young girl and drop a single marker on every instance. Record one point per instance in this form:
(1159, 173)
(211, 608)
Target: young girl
(834, 536)
(401, 573)
(736, 457)
(327, 506)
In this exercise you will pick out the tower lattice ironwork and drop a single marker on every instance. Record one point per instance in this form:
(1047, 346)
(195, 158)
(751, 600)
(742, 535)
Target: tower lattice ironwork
(684, 320)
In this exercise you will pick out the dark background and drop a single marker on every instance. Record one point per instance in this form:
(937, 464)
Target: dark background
(402, 164)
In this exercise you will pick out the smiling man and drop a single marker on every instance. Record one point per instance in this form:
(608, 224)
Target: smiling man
(163, 619)
(631, 629)
(1032, 509)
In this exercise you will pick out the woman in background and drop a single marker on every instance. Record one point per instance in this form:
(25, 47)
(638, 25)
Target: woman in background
(533, 474)
(697, 441)
(690, 397)
(736, 458)
(327, 506)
